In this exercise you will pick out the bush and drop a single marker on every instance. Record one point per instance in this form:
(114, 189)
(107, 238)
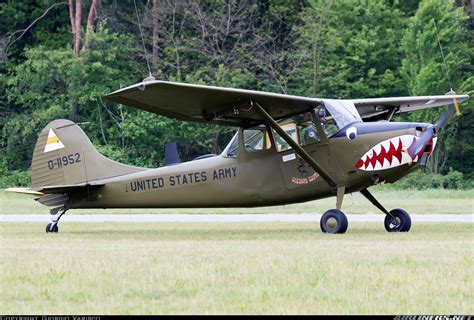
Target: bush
(422, 180)
(454, 180)
(15, 179)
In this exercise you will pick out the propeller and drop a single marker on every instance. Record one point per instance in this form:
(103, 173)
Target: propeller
(431, 132)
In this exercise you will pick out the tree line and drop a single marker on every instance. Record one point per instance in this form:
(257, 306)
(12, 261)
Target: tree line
(57, 59)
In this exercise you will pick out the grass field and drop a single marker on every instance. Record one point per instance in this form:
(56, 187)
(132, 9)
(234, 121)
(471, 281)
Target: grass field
(274, 268)
(415, 202)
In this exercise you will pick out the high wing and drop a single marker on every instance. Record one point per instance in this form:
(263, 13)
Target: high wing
(209, 104)
(233, 107)
(375, 108)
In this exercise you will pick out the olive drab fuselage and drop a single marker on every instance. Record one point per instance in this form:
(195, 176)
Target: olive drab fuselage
(256, 177)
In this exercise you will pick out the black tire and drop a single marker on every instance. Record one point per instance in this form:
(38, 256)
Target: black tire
(401, 221)
(55, 228)
(334, 221)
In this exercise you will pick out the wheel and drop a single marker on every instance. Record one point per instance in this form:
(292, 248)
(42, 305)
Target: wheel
(334, 221)
(55, 228)
(401, 221)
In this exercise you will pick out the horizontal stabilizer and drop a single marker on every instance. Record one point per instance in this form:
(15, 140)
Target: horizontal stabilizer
(74, 188)
(24, 191)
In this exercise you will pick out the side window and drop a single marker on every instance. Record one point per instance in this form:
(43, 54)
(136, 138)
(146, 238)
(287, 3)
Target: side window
(300, 128)
(255, 139)
(233, 147)
(291, 130)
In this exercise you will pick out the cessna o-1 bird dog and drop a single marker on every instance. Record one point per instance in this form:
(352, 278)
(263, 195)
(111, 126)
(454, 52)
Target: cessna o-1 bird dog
(287, 149)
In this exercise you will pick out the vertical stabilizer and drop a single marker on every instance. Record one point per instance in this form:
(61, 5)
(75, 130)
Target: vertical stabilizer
(64, 155)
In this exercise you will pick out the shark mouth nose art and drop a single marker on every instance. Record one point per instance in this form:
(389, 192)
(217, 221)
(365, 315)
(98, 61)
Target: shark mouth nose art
(392, 153)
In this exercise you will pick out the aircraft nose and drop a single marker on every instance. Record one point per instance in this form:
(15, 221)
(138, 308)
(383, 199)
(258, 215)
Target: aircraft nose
(397, 151)
(424, 142)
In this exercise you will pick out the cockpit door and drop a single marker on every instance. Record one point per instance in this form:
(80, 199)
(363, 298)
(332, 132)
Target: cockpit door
(295, 171)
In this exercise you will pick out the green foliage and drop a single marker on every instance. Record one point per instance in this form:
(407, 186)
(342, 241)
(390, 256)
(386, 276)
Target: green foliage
(425, 72)
(422, 180)
(15, 178)
(46, 85)
(423, 64)
(357, 53)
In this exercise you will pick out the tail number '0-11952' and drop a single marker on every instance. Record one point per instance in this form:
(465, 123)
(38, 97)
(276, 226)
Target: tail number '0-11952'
(64, 161)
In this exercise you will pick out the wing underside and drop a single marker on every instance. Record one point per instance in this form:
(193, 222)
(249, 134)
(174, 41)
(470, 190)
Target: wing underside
(227, 106)
(209, 104)
(376, 108)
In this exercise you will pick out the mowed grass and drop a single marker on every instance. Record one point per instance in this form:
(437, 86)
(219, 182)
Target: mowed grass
(236, 268)
(413, 201)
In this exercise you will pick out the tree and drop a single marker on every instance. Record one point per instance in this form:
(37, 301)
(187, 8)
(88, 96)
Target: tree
(41, 86)
(352, 49)
(426, 72)
(75, 17)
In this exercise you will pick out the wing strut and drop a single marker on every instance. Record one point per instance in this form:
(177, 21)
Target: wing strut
(298, 149)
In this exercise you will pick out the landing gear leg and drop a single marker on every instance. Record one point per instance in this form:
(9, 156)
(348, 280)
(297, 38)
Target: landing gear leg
(334, 220)
(397, 220)
(53, 225)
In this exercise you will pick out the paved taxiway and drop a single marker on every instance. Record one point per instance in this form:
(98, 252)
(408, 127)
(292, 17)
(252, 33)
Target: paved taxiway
(469, 218)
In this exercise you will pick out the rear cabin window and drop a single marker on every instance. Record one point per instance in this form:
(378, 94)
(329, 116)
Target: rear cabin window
(233, 147)
(256, 139)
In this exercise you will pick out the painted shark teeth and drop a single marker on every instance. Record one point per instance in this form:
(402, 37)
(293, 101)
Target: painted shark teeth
(387, 154)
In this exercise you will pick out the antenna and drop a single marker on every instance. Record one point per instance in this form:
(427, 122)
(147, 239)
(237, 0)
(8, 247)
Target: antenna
(143, 41)
(442, 55)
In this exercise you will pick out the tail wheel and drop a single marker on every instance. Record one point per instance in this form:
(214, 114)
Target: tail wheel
(334, 221)
(54, 229)
(398, 221)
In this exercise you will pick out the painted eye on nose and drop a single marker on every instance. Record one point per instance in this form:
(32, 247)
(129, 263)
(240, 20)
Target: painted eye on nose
(351, 133)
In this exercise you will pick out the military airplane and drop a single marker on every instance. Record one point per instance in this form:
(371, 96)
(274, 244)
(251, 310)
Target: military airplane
(287, 149)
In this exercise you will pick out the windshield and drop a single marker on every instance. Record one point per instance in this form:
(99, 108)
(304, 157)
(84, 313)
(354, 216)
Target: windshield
(336, 114)
(343, 111)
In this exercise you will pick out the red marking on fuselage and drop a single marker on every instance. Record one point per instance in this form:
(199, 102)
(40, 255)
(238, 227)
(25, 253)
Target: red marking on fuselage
(383, 155)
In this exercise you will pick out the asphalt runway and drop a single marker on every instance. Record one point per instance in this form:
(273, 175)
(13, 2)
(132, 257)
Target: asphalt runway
(131, 218)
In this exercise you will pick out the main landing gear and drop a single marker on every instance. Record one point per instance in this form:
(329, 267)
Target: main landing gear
(53, 225)
(335, 221)
(397, 220)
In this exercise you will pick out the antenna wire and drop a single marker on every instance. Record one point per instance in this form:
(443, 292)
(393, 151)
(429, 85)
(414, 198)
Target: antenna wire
(143, 41)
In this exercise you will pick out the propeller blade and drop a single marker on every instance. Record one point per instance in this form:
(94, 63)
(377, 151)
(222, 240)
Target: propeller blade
(432, 131)
(445, 117)
(421, 142)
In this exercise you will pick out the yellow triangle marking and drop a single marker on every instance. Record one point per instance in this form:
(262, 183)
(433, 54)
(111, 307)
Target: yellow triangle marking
(53, 142)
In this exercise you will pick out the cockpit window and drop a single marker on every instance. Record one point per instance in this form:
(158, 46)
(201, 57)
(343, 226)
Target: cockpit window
(300, 128)
(332, 114)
